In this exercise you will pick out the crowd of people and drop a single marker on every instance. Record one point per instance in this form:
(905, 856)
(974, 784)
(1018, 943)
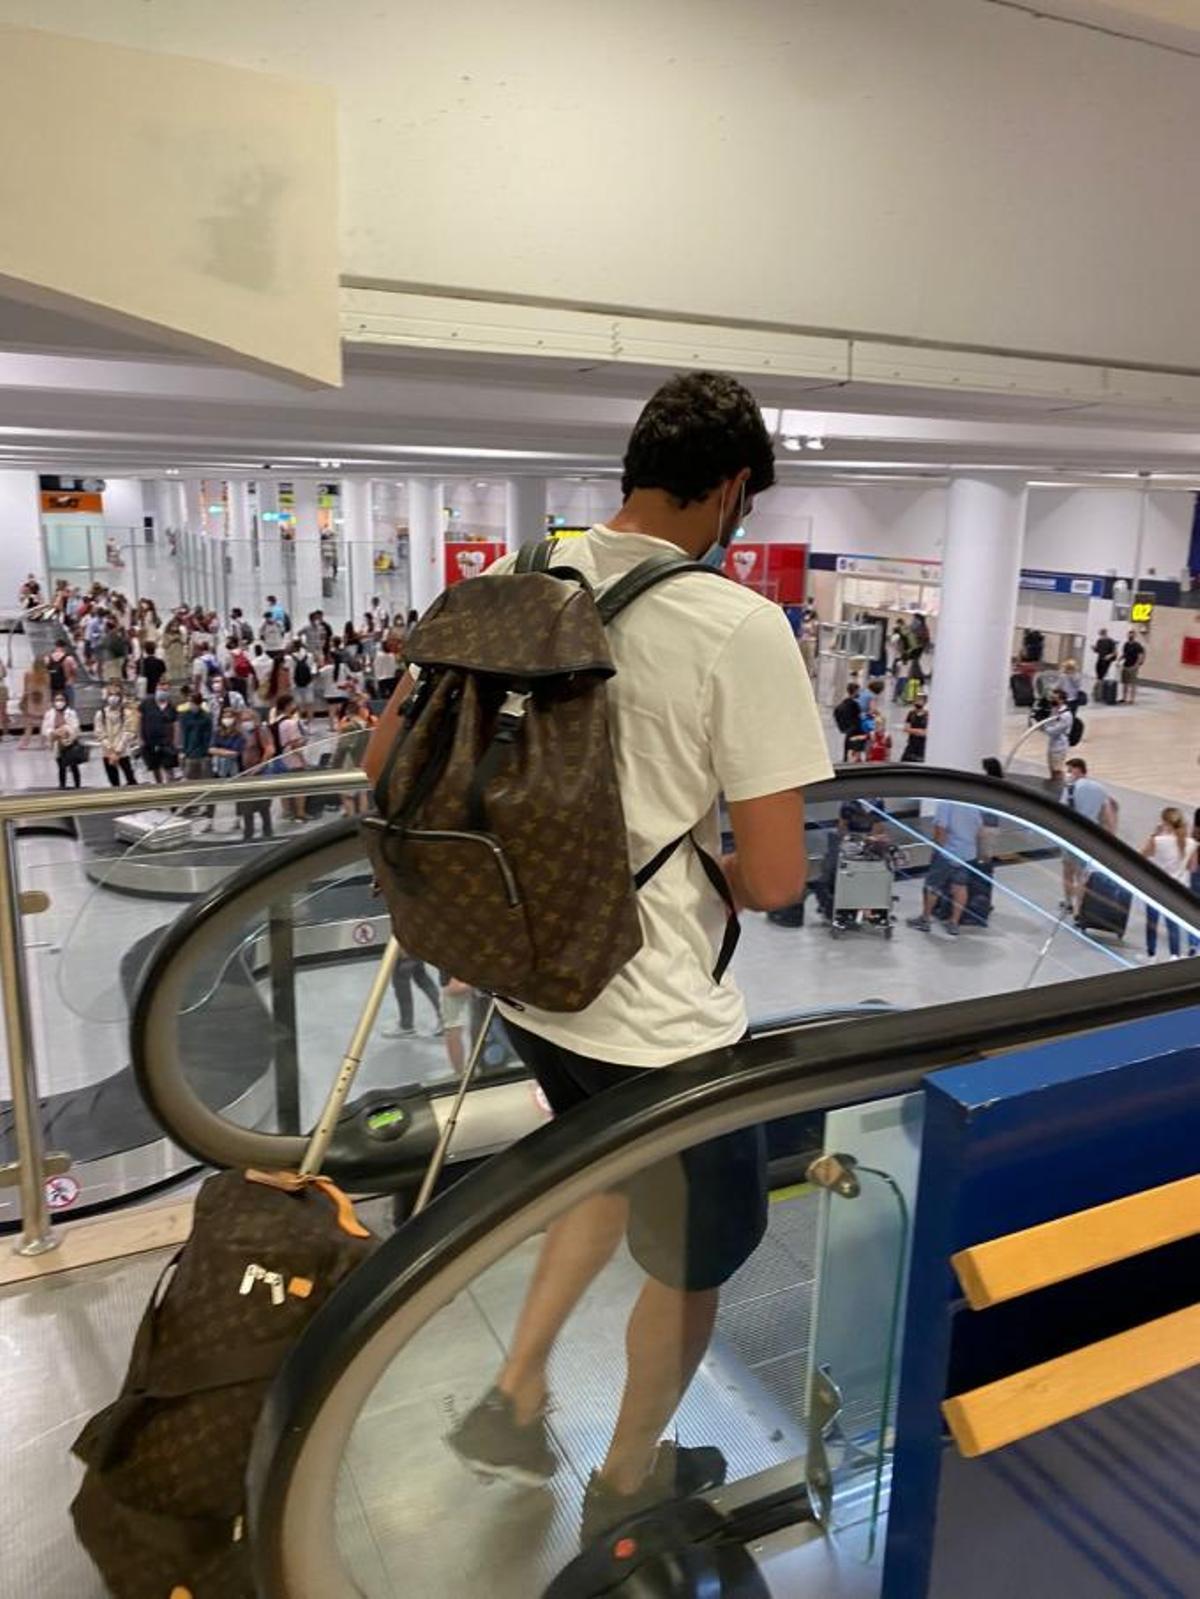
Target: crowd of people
(198, 696)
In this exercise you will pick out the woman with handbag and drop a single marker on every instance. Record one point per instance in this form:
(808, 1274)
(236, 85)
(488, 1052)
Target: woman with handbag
(60, 729)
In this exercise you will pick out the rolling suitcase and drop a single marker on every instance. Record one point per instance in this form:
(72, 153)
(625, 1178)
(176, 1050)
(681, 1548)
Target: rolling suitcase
(153, 830)
(1105, 906)
(1022, 690)
(161, 1509)
(1110, 686)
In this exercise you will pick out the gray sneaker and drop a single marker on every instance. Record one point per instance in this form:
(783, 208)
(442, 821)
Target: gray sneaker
(951, 929)
(921, 923)
(491, 1443)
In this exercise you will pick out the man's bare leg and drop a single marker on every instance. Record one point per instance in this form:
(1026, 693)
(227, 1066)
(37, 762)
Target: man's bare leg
(668, 1332)
(576, 1251)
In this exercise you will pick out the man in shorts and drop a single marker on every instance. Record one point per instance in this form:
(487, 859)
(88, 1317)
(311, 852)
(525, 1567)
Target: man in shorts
(710, 695)
(1090, 799)
(1133, 653)
(956, 830)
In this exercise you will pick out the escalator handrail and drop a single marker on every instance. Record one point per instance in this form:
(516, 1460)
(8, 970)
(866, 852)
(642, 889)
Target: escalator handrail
(157, 1070)
(162, 1081)
(817, 1070)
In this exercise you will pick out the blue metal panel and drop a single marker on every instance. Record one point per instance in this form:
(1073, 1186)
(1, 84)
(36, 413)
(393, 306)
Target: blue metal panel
(1009, 1143)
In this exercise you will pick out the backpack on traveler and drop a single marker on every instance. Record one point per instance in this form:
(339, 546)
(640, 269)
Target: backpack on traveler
(1077, 730)
(500, 844)
(302, 672)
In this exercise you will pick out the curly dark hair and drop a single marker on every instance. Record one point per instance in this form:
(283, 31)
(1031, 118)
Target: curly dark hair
(698, 430)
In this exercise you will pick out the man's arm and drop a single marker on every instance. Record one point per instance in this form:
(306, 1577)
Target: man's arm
(387, 729)
(767, 746)
(770, 867)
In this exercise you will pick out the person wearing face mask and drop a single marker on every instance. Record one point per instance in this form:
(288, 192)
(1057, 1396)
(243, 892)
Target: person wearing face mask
(253, 756)
(116, 728)
(225, 751)
(159, 724)
(710, 697)
(195, 742)
(220, 697)
(60, 729)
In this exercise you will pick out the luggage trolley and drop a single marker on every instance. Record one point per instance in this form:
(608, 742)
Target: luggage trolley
(864, 887)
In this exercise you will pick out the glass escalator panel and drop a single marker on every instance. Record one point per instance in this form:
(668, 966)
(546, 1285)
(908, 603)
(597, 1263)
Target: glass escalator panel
(921, 899)
(133, 872)
(783, 1434)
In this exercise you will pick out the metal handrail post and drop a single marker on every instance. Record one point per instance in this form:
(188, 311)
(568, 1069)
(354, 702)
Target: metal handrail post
(36, 1236)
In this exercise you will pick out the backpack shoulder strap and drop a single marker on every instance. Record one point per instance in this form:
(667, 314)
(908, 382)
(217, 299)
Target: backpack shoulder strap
(712, 870)
(535, 556)
(646, 575)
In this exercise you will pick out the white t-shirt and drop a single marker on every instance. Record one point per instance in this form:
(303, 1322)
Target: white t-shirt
(710, 696)
(1168, 856)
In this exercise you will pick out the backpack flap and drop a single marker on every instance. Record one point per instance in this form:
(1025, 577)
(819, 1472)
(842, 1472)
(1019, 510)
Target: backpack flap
(515, 627)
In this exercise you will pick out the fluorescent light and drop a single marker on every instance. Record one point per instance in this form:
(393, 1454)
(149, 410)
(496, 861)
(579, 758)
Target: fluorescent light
(815, 442)
(791, 443)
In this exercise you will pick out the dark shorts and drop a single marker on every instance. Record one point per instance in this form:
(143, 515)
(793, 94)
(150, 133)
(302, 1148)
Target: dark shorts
(694, 1218)
(160, 757)
(944, 874)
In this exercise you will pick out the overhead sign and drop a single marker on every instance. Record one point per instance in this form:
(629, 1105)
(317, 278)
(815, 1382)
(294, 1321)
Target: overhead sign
(904, 567)
(468, 558)
(776, 570)
(1063, 583)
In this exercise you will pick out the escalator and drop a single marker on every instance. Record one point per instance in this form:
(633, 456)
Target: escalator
(313, 898)
(352, 1489)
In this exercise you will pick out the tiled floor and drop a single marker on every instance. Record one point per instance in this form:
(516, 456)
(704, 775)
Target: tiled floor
(411, 1521)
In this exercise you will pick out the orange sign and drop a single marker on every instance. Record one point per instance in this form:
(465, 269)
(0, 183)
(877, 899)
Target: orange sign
(69, 501)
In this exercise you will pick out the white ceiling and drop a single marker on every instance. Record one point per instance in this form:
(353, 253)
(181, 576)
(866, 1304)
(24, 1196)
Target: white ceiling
(72, 399)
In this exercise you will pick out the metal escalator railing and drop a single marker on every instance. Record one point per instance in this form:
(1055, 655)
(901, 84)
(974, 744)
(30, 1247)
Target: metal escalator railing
(212, 929)
(473, 1229)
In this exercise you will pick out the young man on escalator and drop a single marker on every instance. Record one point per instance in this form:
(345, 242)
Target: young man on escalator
(710, 696)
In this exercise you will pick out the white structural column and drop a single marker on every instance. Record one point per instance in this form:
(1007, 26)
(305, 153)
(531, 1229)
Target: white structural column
(169, 509)
(241, 550)
(358, 543)
(985, 528)
(426, 542)
(270, 552)
(20, 539)
(193, 505)
(308, 550)
(525, 506)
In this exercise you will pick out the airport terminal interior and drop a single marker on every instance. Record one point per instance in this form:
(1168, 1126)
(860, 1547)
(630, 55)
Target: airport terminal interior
(339, 307)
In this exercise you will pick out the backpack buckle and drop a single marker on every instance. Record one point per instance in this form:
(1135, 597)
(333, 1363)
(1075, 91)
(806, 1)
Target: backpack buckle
(514, 704)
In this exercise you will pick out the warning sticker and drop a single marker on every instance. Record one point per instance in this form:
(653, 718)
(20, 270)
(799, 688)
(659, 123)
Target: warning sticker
(61, 1192)
(364, 933)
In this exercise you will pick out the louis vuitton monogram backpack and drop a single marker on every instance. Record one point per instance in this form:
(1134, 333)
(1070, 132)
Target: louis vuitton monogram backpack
(500, 843)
